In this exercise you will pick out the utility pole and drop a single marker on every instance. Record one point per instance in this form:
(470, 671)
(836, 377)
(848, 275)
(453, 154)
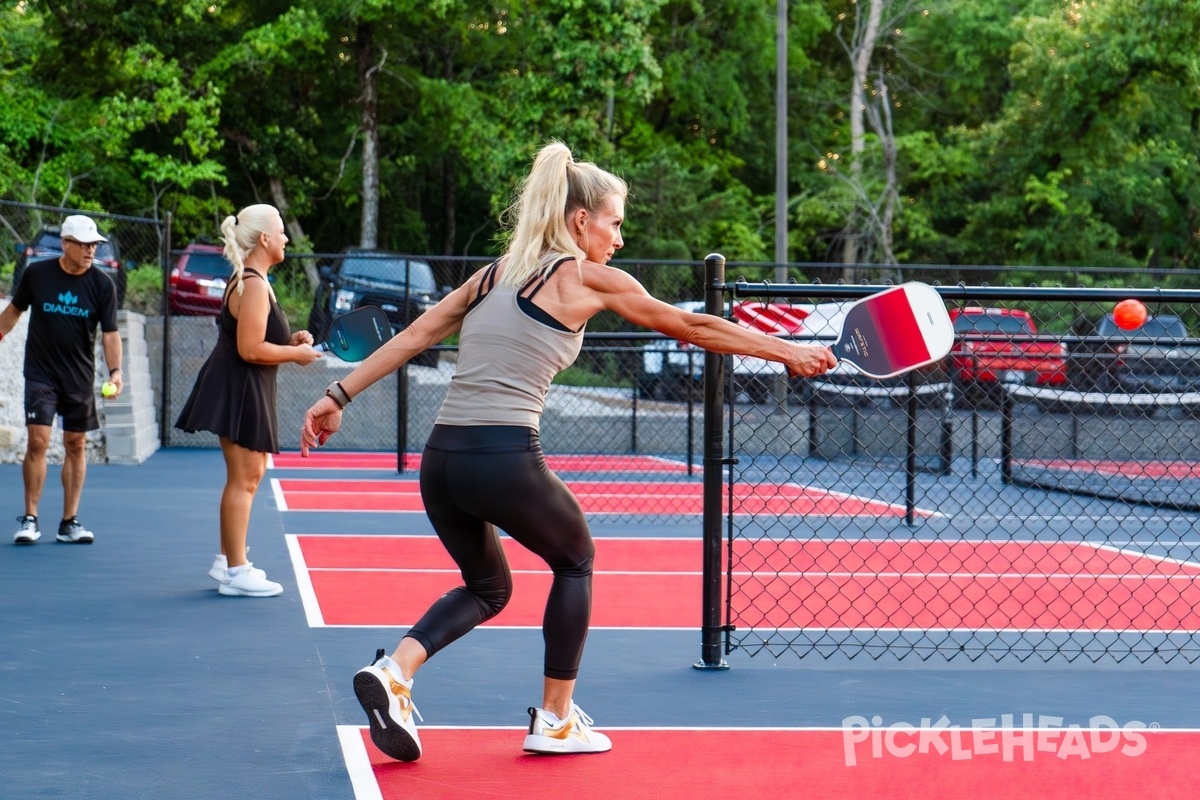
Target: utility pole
(781, 141)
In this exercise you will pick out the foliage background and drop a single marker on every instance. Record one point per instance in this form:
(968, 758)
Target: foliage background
(1028, 132)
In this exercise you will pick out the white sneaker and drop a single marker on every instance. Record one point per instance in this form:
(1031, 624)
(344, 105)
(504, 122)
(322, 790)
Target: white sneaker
(553, 736)
(72, 531)
(28, 533)
(387, 698)
(219, 565)
(250, 582)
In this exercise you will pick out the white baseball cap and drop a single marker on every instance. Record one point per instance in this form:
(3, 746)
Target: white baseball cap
(81, 229)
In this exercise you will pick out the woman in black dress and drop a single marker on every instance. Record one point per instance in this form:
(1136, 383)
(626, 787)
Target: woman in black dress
(234, 394)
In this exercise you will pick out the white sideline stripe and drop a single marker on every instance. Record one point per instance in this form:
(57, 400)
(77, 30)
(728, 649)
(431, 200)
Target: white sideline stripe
(358, 764)
(490, 627)
(779, 729)
(1111, 548)
(923, 631)
(1120, 576)
(1114, 543)
(270, 461)
(277, 490)
(308, 595)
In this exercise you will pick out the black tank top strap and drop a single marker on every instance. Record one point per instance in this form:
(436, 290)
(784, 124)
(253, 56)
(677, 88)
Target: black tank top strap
(541, 281)
(245, 271)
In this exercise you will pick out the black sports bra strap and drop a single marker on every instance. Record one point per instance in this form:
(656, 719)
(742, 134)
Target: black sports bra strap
(542, 281)
(486, 282)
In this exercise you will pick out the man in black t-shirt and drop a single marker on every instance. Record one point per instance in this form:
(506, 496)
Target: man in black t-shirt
(68, 300)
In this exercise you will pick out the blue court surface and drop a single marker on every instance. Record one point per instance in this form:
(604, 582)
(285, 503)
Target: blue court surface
(124, 674)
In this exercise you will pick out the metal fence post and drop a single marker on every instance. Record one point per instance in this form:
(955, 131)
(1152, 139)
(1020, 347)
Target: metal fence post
(402, 419)
(164, 255)
(713, 481)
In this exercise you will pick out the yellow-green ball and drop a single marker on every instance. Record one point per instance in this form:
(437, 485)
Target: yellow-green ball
(108, 389)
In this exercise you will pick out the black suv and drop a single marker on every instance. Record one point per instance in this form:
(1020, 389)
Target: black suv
(403, 287)
(1159, 356)
(47, 243)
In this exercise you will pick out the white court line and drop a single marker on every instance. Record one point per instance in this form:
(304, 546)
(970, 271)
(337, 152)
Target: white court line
(1110, 548)
(277, 491)
(810, 490)
(781, 728)
(1119, 576)
(308, 595)
(490, 627)
(358, 763)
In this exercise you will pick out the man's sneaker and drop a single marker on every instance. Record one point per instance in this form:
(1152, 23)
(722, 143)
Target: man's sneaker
(72, 531)
(249, 582)
(28, 533)
(387, 699)
(550, 735)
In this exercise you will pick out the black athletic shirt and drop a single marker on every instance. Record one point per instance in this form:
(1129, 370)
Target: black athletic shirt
(60, 348)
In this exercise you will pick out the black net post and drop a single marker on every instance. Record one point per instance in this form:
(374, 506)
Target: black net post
(402, 419)
(714, 469)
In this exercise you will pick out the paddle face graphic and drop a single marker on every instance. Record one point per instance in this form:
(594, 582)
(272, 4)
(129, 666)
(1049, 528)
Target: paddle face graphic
(896, 330)
(354, 336)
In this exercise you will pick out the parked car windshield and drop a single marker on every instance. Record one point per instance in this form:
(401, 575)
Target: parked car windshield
(1153, 328)
(389, 270)
(990, 323)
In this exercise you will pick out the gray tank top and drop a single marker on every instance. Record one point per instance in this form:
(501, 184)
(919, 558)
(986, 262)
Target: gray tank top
(506, 360)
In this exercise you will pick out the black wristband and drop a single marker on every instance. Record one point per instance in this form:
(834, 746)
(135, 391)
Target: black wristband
(114, 369)
(337, 394)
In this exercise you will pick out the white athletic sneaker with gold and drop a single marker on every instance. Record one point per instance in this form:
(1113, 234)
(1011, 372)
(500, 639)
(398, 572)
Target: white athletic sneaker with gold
(387, 698)
(553, 736)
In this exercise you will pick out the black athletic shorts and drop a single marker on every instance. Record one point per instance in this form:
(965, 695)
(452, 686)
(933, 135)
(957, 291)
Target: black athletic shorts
(43, 402)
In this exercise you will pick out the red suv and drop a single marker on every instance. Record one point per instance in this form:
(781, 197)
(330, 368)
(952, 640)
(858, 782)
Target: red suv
(198, 281)
(1002, 345)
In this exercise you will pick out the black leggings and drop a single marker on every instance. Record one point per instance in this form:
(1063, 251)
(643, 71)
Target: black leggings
(475, 479)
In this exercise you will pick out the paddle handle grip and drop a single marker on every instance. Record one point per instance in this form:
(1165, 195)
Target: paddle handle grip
(323, 347)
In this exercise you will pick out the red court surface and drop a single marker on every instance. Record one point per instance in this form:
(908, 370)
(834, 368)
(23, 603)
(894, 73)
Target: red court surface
(596, 497)
(412, 461)
(985, 764)
(862, 584)
(1178, 470)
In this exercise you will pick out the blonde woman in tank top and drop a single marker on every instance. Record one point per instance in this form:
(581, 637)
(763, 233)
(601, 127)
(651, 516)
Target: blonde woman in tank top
(521, 321)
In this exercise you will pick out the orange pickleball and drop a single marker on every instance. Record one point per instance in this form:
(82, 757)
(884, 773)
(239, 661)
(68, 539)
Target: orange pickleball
(1130, 314)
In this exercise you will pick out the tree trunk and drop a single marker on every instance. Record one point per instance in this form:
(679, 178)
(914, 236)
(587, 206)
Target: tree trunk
(294, 229)
(369, 233)
(449, 205)
(862, 47)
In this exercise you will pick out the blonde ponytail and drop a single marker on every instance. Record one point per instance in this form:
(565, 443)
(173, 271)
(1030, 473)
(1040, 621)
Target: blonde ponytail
(241, 234)
(555, 187)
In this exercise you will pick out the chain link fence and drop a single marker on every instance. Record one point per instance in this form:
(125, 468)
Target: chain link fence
(30, 232)
(1034, 495)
